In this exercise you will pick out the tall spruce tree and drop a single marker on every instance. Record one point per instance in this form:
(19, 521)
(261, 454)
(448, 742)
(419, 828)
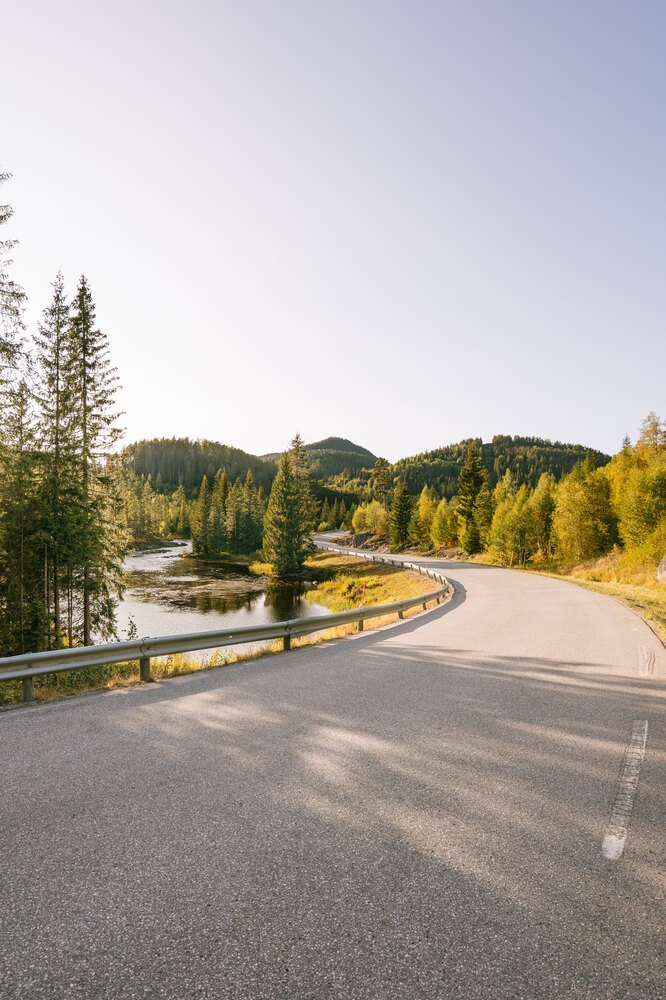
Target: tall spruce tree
(55, 395)
(300, 465)
(472, 478)
(252, 516)
(22, 604)
(285, 543)
(234, 515)
(401, 515)
(381, 477)
(201, 520)
(95, 431)
(218, 513)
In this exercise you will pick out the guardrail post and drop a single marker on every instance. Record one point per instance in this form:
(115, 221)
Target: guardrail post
(425, 606)
(27, 683)
(286, 643)
(144, 669)
(360, 624)
(401, 615)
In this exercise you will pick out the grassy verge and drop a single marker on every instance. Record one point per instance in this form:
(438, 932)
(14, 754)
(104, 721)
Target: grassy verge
(344, 582)
(341, 583)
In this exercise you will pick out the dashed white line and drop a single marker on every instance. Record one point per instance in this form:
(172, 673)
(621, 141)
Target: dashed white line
(616, 831)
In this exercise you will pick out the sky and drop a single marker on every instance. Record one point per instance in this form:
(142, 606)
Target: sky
(405, 223)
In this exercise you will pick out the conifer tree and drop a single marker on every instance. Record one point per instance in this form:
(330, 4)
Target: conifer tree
(218, 513)
(381, 480)
(56, 395)
(22, 607)
(182, 523)
(342, 515)
(401, 515)
(234, 515)
(201, 520)
(251, 532)
(325, 514)
(298, 458)
(95, 432)
(483, 514)
(334, 515)
(285, 544)
(472, 478)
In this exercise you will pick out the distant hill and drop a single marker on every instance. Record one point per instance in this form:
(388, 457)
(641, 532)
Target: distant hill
(334, 455)
(172, 462)
(525, 457)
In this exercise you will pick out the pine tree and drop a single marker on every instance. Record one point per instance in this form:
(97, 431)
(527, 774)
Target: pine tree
(251, 516)
(472, 478)
(201, 520)
(483, 514)
(342, 515)
(401, 515)
(218, 513)
(182, 522)
(325, 515)
(22, 607)
(285, 545)
(298, 458)
(55, 395)
(380, 480)
(234, 515)
(95, 432)
(334, 516)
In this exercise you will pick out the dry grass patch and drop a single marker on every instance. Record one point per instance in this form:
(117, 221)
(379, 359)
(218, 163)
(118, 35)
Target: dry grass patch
(345, 582)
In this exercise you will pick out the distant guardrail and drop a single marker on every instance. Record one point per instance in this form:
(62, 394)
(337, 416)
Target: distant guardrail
(27, 666)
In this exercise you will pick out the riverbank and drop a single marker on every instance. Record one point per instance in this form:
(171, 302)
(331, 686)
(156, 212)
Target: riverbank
(338, 583)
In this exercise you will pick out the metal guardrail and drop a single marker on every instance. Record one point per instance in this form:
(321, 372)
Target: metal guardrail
(27, 666)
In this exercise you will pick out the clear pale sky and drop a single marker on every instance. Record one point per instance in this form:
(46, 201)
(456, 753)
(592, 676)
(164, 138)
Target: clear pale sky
(401, 222)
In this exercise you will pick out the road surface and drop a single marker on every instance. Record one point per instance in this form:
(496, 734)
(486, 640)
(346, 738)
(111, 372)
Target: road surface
(414, 812)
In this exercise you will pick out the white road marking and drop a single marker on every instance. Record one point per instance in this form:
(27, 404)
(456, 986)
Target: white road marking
(616, 831)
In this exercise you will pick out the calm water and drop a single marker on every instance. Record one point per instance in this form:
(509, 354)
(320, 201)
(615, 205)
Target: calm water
(168, 595)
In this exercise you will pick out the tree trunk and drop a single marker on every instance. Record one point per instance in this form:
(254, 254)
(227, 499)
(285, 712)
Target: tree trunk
(56, 602)
(86, 607)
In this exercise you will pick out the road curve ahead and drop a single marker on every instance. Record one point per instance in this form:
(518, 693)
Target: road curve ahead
(413, 812)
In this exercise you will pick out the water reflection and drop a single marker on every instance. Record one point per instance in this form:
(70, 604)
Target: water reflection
(167, 594)
(285, 599)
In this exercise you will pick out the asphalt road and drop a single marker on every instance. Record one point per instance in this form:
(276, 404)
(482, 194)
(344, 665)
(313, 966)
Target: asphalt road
(413, 812)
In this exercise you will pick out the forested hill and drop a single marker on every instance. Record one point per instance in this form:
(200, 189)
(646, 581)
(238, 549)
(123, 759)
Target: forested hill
(172, 462)
(525, 457)
(334, 455)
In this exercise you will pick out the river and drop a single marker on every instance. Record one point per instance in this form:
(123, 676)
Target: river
(168, 595)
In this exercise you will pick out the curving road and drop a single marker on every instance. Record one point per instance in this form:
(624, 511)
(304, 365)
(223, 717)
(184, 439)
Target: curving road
(413, 812)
